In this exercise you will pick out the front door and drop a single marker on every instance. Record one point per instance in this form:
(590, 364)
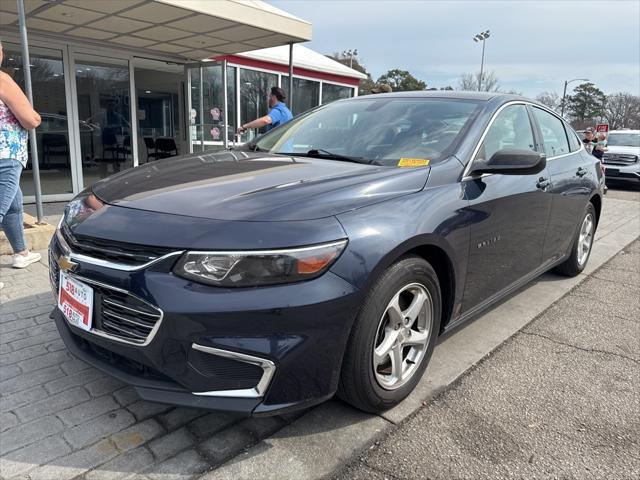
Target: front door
(207, 120)
(510, 212)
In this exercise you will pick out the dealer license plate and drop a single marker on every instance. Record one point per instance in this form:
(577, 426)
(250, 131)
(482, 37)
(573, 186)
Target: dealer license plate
(612, 172)
(75, 299)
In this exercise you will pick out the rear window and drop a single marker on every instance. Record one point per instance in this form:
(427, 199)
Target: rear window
(574, 141)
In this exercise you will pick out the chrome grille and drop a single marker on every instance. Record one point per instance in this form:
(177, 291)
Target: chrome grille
(619, 158)
(119, 252)
(122, 315)
(54, 273)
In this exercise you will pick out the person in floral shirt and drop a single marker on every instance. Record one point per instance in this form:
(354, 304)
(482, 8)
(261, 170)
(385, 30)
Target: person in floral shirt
(17, 117)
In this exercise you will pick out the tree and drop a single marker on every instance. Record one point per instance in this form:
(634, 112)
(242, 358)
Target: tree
(622, 110)
(586, 103)
(402, 81)
(469, 82)
(550, 99)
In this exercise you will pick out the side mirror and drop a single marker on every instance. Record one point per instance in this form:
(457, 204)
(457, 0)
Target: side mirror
(512, 161)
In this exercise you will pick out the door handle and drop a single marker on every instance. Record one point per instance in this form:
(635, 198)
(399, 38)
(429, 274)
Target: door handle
(582, 172)
(543, 183)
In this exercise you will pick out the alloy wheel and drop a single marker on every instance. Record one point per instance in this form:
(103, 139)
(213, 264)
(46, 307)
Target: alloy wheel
(585, 239)
(402, 337)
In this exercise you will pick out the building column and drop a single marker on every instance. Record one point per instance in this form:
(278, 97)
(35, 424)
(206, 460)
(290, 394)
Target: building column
(26, 65)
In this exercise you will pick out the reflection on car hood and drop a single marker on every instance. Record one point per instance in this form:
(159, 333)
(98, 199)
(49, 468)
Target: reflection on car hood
(623, 149)
(237, 185)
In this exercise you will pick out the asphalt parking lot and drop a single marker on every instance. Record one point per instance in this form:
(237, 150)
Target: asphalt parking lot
(61, 419)
(560, 399)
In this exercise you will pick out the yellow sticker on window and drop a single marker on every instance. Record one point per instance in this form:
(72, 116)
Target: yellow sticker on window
(413, 162)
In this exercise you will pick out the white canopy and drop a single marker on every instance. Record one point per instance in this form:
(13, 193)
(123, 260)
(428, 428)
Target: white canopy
(188, 29)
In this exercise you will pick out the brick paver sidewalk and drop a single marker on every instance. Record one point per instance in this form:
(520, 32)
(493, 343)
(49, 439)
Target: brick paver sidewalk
(61, 418)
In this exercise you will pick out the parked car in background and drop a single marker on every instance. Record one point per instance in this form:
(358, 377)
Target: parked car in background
(622, 159)
(326, 256)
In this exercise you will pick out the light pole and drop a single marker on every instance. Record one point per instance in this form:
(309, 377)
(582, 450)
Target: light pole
(350, 53)
(481, 37)
(564, 94)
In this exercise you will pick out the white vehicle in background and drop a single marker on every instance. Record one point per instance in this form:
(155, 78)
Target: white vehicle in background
(622, 159)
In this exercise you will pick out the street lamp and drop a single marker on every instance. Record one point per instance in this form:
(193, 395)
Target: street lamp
(481, 37)
(350, 53)
(564, 94)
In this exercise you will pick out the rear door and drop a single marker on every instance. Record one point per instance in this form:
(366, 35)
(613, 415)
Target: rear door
(509, 211)
(571, 177)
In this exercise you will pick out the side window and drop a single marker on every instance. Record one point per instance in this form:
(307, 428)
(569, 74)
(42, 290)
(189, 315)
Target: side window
(554, 137)
(574, 141)
(510, 129)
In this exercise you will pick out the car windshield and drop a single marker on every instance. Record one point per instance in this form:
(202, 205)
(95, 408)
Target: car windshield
(379, 130)
(624, 139)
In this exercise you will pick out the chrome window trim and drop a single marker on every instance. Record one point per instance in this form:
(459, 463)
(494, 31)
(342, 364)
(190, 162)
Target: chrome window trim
(105, 263)
(268, 369)
(115, 338)
(465, 173)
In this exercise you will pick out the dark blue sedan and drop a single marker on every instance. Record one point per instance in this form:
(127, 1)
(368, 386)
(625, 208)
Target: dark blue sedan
(327, 256)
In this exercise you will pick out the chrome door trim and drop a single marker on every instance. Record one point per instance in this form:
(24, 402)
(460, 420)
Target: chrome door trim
(268, 369)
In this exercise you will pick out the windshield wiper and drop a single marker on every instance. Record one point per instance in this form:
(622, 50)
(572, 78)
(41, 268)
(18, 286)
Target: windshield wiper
(255, 148)
(322, 153)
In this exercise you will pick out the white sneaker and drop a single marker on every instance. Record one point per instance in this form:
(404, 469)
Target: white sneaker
(23, 261)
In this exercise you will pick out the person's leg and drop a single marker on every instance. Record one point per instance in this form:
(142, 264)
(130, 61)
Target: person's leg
(13, 225)
(11, 204)
(11, 213)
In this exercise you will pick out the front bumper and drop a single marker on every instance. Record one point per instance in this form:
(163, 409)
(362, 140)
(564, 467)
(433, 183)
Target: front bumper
(622, 172)
(251, 351)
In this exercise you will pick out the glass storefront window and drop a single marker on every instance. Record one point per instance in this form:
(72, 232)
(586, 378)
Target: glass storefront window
(306, 94)
(211, 127)
(254, 97)
(331, 92)
(49, 98)
(159, 89)
(104, 108)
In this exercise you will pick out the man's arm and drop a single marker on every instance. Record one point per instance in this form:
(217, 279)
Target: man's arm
(257, 123)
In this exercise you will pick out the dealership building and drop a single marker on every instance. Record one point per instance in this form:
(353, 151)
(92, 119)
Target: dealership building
(119, 83)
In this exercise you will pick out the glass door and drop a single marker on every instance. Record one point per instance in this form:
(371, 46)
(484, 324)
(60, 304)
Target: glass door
(52, 136)
(205, 114)
(159, 95)
(104, 112)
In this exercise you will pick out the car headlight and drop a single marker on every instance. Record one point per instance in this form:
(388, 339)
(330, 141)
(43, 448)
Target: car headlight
(260, 267)
(79, 209)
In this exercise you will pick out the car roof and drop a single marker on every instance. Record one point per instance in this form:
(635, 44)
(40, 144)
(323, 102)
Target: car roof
(624, 130)
(486, 96)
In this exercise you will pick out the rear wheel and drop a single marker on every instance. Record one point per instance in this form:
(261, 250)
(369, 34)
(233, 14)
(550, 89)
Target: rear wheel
(581, 249)
(393, 337)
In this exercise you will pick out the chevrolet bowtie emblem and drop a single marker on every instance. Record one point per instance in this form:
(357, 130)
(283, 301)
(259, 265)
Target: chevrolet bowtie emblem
(65, 263)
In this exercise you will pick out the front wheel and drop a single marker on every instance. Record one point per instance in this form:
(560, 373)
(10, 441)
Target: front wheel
(393, 337)
(581, 248)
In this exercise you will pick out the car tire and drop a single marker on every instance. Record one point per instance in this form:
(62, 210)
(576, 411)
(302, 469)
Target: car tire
(581, 246)
(368, 383)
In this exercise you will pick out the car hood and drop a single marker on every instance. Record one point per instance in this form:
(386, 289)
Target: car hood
(623, 150)
(251, 186)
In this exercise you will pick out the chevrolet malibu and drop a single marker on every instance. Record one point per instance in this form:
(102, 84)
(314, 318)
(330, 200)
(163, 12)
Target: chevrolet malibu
(327, 256)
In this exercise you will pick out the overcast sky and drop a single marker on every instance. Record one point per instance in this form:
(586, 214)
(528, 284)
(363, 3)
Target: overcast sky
(534, 45)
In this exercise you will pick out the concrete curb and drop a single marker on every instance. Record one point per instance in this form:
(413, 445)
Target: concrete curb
(38, 236)
(321, 441)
